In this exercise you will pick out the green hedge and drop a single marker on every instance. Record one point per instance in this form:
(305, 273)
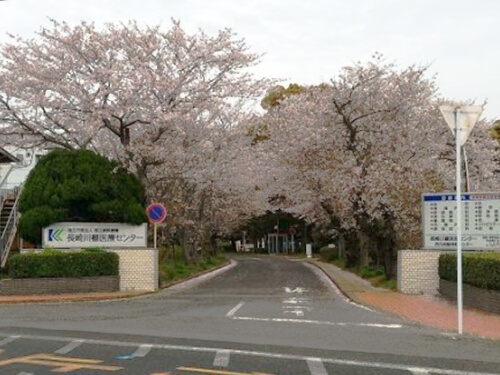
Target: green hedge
(58, 264)
(481, 270)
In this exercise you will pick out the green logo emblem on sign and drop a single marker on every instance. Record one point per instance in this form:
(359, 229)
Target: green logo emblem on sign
(55, 235)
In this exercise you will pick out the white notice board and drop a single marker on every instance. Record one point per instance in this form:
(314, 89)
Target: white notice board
(480, 221)
(80, 235)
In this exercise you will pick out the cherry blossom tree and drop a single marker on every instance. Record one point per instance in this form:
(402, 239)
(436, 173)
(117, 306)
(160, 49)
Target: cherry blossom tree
(361, 150)
(142, 95)
(161, 102)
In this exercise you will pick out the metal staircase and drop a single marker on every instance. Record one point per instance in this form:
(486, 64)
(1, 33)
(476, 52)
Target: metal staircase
(9, 218)
(13, 174)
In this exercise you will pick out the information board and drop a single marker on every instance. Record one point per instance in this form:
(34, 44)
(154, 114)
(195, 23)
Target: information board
(480, 221)
(82, 235)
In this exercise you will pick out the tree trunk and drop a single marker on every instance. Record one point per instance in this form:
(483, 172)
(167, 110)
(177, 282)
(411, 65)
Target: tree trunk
(213, 244)
(365, 245)
(388, 245)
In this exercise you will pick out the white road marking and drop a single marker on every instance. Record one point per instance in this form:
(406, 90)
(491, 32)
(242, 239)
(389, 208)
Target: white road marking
(9, 339)
(316, 366)
(222, 358)
(418, 371)
(296, 312)
(295, 290)
(72, 345)
(281, 320)
(296, 300)
(142, 351)
(344, 362)
(234, 309)
(298, 307)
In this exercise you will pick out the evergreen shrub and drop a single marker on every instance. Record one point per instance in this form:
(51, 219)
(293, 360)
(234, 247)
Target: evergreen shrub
(53, 263)
(481, 270)
(78, 186)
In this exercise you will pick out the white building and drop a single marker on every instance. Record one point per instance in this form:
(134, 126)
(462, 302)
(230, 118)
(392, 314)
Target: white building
(15, 166)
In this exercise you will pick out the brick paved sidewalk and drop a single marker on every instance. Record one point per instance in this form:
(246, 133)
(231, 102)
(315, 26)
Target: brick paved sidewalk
(428, 310)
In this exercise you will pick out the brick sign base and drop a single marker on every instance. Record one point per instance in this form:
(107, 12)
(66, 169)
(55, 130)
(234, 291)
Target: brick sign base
(60, 285)
(482, 299)
(139, 268)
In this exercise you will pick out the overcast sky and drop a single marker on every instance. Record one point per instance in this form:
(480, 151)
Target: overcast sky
(308, 41)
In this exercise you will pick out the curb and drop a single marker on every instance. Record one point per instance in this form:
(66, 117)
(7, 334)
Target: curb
(202, 273)
(350, 296)
(61, 298)
(199, 278)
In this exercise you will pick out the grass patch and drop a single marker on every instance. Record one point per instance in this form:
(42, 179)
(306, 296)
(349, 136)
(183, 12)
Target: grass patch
(339, 263)
(375, 275)
(175, 269)
(371, 272)
(382, 282)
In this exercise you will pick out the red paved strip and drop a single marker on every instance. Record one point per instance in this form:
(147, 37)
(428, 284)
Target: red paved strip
(434, 312)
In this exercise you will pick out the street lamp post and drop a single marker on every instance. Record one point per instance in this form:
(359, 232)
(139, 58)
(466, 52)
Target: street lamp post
(461, 120)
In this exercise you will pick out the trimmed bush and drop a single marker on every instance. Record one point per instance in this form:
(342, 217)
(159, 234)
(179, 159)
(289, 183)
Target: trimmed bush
(78, 186)
(54, 264)
(481, 270)
(94, 250)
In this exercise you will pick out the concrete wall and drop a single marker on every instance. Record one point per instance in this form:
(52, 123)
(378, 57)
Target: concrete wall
(60, 285)
(483, 299)
(418, 271)
(138, 269)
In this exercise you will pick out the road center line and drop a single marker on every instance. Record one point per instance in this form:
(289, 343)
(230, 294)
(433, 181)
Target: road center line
(316, 366)
(67, 348)
(9, 339)
(222, 358)
(383, 365)
(284, 320)
(233, 311)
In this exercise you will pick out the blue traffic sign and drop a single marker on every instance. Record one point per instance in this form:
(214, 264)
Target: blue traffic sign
(156, 213)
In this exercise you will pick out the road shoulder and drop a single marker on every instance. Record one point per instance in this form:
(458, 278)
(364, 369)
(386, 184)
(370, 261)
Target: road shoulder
(431, 311)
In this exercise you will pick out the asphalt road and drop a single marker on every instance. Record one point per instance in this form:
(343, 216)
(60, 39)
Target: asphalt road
(264, 315)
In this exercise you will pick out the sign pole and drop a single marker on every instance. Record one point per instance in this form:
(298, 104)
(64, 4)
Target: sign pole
(154, 235)
(459, 226)
(461, 127)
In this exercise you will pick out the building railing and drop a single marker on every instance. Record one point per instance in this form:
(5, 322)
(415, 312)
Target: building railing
(9, 232)
(3, 179)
